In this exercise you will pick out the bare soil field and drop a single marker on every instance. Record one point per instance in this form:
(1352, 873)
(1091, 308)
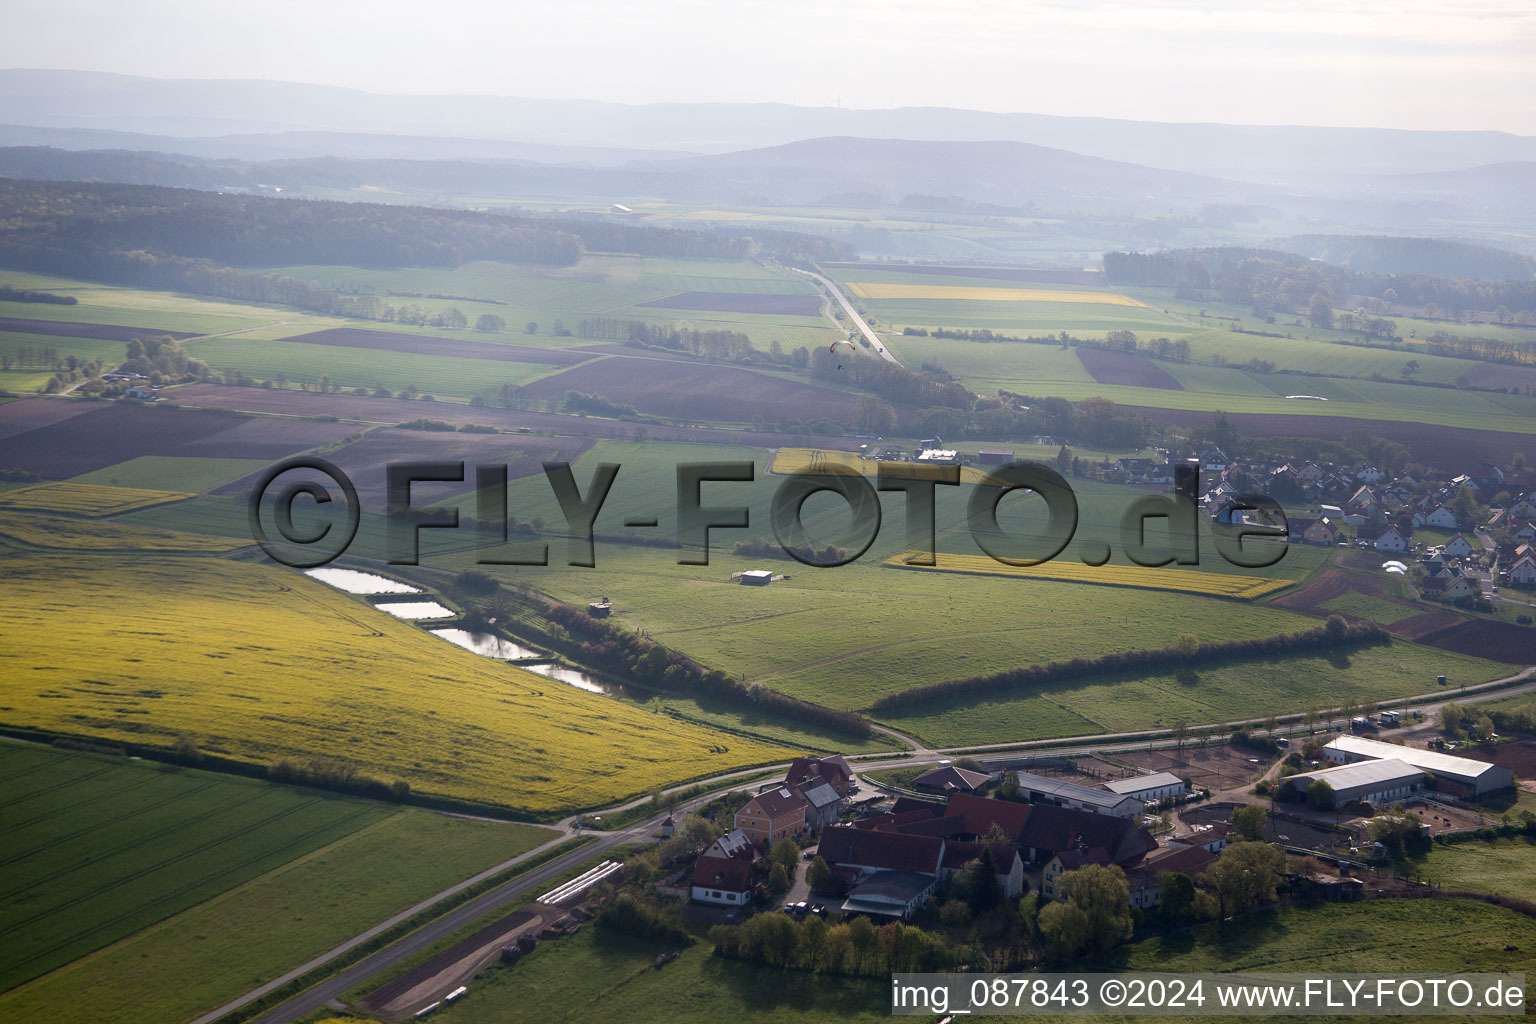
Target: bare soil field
(1215, 767)
(1109, 367)
(103, 332)
(1334, 583)
(1485, 638)
(697, 391)
(425, 345)
(1416, 627)
(790, 304)
(1442, 628)
(398, 410)
(1023, 274)
(1441, 447)
(104, 434)
(365, 461)
(35, 413)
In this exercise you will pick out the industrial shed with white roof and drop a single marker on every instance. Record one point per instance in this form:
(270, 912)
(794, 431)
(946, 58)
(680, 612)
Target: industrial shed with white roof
(1148, 788)
(1039, 789)
(1375, 782)
(1460, 776)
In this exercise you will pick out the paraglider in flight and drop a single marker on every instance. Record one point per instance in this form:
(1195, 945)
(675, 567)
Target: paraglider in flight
(833, 348)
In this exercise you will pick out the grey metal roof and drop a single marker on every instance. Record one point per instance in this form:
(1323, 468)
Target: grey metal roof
(1143, 782)
(1363, 773)
(1429, 760)
(1069, 790)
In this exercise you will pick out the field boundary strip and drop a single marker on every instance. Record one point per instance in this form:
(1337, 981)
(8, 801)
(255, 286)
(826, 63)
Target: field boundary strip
(1242, 588)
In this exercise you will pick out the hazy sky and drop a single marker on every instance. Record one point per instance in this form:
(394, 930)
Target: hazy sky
(1403, 64)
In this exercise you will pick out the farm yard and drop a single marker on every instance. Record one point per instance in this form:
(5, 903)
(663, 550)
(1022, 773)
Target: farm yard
(201, 882)
(259, 664)
(1216, 767)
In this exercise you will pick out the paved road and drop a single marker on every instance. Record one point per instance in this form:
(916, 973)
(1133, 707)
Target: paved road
(853, 314)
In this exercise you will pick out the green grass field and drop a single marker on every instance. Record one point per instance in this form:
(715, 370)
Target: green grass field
(600, 285)
(1233, 692)
(253, 925)
(1505, 866)
(96, 848)
(594, 976)
(168, 473)
(1382, 936)
(353, 368)
(1365, 606)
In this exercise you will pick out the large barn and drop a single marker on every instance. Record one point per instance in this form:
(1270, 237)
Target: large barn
(1374, 782)
(1457, 776)
(1039, 789)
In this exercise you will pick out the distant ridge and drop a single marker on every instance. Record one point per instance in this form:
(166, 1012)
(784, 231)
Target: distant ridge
(205, 108)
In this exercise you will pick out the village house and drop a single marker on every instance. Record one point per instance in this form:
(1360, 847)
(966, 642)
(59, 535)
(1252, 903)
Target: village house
(1439, 517)
(949, 779)
(1459, 547)
(773, 815)
(1321, 531)
(1391, 540)
(726, 881)
(1523, 572)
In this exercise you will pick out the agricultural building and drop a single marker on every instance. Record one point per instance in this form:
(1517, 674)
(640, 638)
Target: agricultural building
(1039, 789)
(1149, 788)
(1457, 776)
(1374, 782)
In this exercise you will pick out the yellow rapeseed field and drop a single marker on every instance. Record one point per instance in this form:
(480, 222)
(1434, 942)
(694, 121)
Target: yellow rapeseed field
(1213, 584)
(260, 664)
(86, 499)
(71, 534)
(978, 293)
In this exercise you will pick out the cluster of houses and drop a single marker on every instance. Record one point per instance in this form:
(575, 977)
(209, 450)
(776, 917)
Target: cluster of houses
(889, 864)
(1380, 511)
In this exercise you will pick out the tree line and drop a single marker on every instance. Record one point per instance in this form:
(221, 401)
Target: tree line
(1335, 634)
(9, 294)
(1273, 280)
